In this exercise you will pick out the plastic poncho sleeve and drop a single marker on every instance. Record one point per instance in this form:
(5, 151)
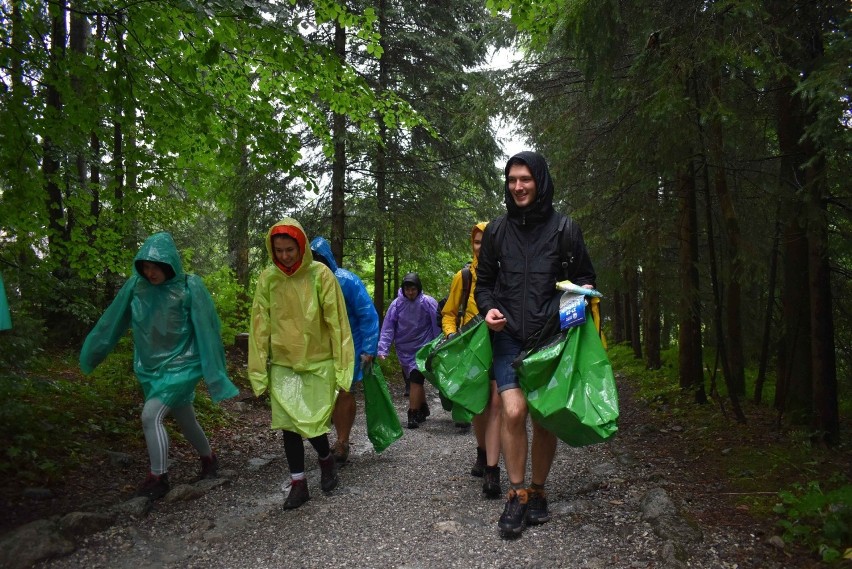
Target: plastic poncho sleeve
(367, 320)
(261, 325)
(342, 345)
(451, 307)
(388, 329)
(207, 328)
(5, 318)
(111, 326)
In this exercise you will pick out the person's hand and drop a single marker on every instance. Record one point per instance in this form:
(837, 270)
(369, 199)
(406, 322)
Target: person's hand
(366, 360)
(451, 336)
(382, 356)
(495, 320)
(588, 286)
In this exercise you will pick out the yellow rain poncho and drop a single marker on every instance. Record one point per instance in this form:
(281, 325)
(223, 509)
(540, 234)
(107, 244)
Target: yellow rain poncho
(300, 326)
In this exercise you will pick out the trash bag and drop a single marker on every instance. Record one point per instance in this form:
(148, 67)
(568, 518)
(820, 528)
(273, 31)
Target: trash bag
(383, 427)
(458, 366)
(570, 387)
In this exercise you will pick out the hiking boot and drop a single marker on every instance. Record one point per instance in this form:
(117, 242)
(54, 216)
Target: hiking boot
(491, 482)
(328, 473)
(154, 487)
(478, 468)
(209, 467)
(423, 412)
(340, 452)
(298, 494)
(514, 513)
(413, 423)
(537, 512)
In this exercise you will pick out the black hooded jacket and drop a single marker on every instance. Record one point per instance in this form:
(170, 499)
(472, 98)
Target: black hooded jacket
(518, 275)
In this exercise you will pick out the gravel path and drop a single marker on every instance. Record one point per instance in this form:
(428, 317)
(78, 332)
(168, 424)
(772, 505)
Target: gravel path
(416, 506)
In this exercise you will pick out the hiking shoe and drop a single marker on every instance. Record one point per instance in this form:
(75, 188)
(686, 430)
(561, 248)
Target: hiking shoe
(340, 452)
(413, 423)
(209, 467)
(491, 482)
(154, 487)
(514, 513)
(423, 412)
(537, 512)
(298, 494)
(328, 473)
(478, 468)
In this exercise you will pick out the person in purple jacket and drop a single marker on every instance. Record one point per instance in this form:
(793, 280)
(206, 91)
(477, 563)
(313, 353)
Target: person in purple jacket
(410, 323)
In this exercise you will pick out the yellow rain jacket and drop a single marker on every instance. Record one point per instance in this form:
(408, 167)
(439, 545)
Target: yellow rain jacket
(454, 299)
(300, 326)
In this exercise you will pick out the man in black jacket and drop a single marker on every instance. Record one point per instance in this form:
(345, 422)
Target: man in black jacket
(520, 263)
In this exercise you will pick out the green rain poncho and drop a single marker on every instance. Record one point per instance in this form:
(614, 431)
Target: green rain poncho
(175, 327)
(299, 324)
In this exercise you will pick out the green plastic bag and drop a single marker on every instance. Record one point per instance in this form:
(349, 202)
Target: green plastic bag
(459, 367)
(570, 387)
(383, 427)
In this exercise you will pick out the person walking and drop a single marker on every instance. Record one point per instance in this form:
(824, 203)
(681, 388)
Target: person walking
(410, 323)
(300, 327)
(459, 310)
(176, 342)
(364, 323)
(520, 263)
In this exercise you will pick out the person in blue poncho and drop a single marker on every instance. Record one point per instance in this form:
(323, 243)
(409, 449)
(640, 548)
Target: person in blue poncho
(176, 342)
(364, 322)
(5, 318)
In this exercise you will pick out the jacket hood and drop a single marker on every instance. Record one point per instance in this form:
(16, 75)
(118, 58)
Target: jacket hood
(159, 248)
(412, 278)
(542, 207)
(291, 227)
(478, 228)
(321, 249)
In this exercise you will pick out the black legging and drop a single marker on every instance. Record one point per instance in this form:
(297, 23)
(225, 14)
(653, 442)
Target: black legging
(294, 450)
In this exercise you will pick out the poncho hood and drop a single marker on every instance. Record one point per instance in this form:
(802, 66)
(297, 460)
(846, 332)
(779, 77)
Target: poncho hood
(321, 250)
(542, 207)
(159, 248)
(478, 228)
(292, 228)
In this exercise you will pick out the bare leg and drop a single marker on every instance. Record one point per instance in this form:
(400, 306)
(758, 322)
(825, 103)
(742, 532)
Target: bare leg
(513, 434)
(543, 451)
(343, 415)
(494, 411)
(417, 396)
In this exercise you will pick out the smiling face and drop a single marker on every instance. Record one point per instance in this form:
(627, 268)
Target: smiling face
(286, 250)
(153, 273)
(521, 184)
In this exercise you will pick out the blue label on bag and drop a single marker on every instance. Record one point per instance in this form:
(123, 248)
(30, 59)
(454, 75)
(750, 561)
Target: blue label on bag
(572, 310)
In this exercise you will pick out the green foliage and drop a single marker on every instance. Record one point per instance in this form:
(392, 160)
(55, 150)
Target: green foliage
(232, 303)
(817, 518)
(23, 342)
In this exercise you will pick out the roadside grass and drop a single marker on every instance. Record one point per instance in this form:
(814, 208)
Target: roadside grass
(770, 467)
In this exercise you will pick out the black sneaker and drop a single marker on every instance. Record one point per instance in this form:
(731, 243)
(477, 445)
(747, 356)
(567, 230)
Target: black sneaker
(154, 487)
(478, 468)
(340, 452)
(298, 494)
(328, 473)
(423, 412)
(413, 423)
(537, 512)
(209, 467)
(514, 513)
(491, 482)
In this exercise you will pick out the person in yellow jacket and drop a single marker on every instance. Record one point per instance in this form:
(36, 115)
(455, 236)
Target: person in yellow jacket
(486, 425)
(300, 326)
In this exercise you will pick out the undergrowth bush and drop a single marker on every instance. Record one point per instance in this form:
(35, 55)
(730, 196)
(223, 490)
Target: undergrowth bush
(819, 519)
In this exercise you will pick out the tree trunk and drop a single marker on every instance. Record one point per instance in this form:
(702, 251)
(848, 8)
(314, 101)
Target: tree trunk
(52, 154)
(617, 318)
(338, 167)
(381, 172)
(635, 322)
(690, 356)
(770, 310)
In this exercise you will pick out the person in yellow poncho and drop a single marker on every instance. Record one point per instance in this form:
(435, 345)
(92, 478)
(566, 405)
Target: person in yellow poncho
(300, 326)
(486, 425)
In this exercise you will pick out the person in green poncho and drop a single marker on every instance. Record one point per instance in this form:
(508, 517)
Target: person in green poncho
(301, 351)
(176, 342)
(5, 318)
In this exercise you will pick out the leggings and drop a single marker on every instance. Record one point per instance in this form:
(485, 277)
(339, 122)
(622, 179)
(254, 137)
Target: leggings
(295, 450)
(157, 438)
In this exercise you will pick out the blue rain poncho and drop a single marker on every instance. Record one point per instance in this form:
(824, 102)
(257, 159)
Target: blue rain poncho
(363, 318)
(176, 335)
(300, 327)
(5, 318)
